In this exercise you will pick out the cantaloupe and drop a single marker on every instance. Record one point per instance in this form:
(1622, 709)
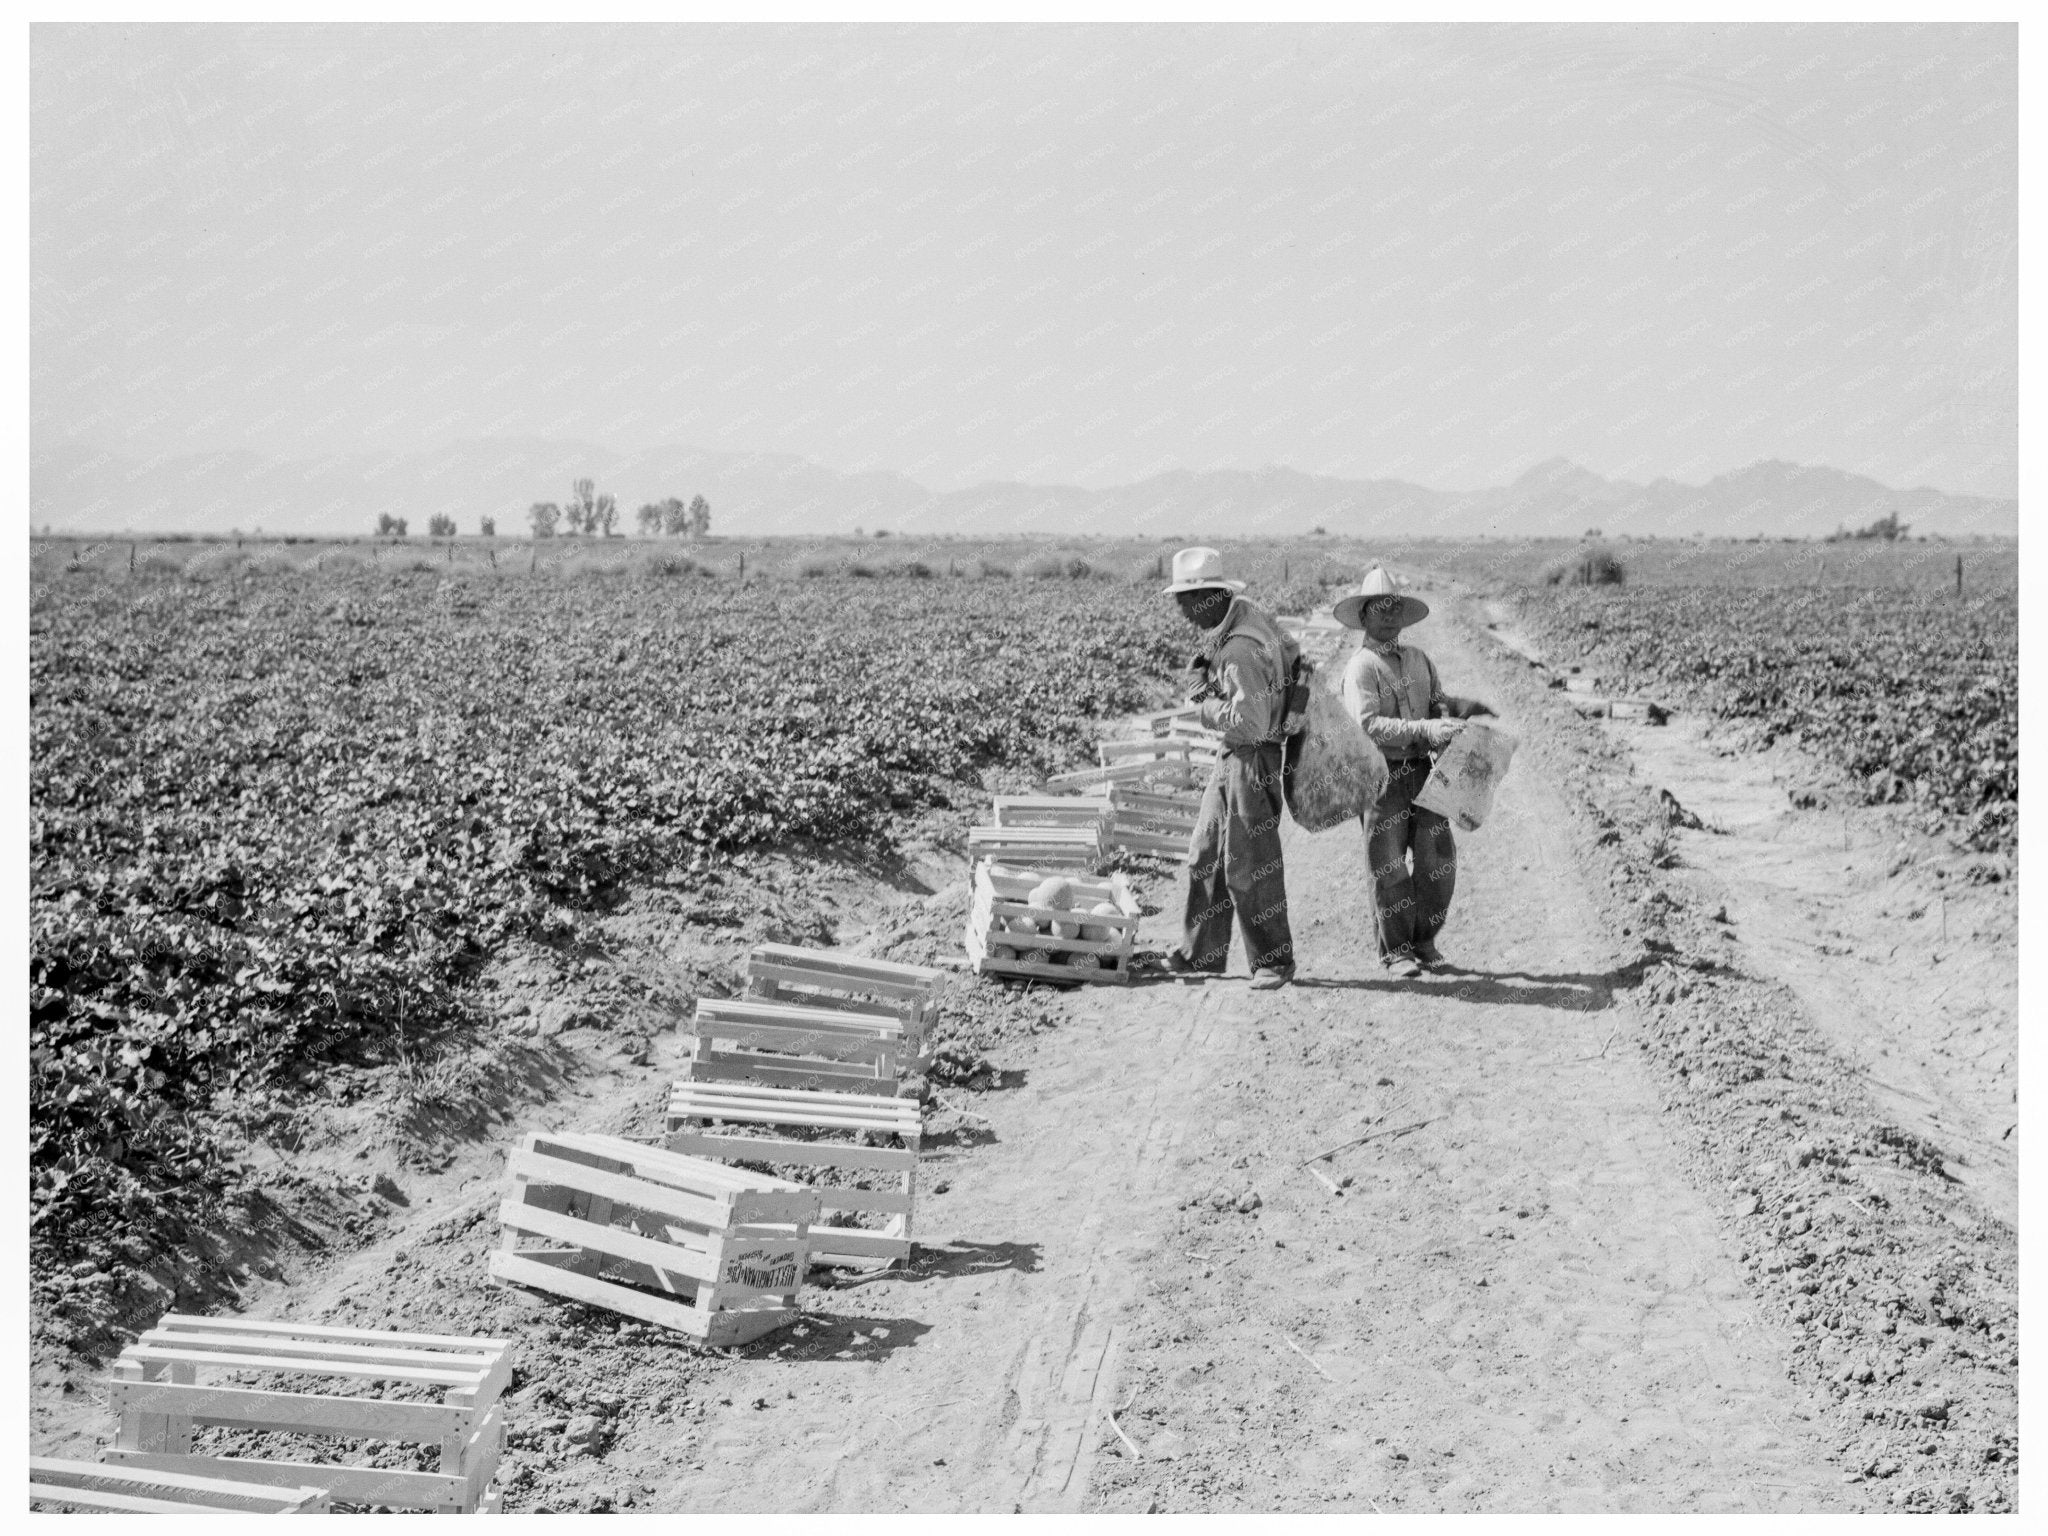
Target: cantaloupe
(1097, 932)
(1055, 891)
(1085, 962)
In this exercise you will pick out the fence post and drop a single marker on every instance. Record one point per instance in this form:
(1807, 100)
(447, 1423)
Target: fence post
(743, 565)
(131, 564)
(1959, 575)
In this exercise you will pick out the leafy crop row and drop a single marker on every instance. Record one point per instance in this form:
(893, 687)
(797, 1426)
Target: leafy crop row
(283, 823)
(1916, 693)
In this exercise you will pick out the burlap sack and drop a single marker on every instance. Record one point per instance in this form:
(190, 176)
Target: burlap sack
(1334, 773)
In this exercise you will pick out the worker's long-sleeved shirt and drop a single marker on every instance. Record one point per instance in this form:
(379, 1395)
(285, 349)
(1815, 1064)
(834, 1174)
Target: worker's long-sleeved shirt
(1250, 660)
(1389, 692)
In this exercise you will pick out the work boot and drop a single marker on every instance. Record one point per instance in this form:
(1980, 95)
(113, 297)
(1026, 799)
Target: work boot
(1403, 964)
(1266, 979)
(1426, 952)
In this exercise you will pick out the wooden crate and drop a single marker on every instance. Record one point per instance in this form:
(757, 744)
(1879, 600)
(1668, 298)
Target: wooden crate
(999, 893)
(787, 1045)
(724, 1248)
(1066, 849)
(1160, 721)
(1173, 749)
(1159, 824)
(106, 1489)
(157, 1399)
(701, 1115)
(822, 978)
(1051, 811)
(1207, 747)
(1094, 781)
(1165, 762)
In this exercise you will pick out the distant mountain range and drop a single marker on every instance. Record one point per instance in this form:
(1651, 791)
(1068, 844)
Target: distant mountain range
(77, 489)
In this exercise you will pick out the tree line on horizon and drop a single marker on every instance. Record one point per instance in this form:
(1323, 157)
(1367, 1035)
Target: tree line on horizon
(587, 512)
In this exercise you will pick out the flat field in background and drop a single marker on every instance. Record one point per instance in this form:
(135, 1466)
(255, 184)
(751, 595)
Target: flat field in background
(1276, 567)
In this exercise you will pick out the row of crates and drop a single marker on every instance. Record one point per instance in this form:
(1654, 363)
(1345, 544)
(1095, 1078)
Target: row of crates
(1143, 796)
(815, 1067)
(818, 1067)
(1069, 833)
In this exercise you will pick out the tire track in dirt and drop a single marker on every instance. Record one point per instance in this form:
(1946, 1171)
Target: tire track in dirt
(1051, 1452)
(1027, 1365)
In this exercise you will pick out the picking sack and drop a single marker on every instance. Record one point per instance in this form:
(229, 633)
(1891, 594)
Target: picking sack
(1331, 772)
(1466, 773)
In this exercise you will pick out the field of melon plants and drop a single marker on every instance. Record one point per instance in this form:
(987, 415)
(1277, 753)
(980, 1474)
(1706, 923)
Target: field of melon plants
(283, 807)
(280, 818)
(1914, 693)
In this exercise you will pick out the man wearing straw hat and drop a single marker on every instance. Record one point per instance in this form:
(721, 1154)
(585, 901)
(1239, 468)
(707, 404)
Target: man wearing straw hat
(1240, 676)
(1394, 692)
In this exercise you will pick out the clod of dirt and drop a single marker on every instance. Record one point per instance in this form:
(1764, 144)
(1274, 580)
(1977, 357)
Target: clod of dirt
(1249, 1201)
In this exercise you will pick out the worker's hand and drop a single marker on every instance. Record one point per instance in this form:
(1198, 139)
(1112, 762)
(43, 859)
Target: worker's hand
(1438, 733)
(1463, 709)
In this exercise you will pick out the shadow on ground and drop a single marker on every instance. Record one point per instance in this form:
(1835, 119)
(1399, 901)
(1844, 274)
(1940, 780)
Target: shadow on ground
(826, 1337)
(1573, 991)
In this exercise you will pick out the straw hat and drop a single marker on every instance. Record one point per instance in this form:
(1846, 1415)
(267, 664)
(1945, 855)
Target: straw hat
(1350, 611)
(1197, 568)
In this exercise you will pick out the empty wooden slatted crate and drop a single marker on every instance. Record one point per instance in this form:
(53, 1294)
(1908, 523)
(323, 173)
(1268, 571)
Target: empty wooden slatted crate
(1007, 936)
(786, 1045)
(1160, 721)
(157, 1398)
(1065, 848)
(817, 978)
(1051, 811)
(101, 1488)
(715, 1252)
(1153, 762)
(1180, 750)
(1158, 824)
(727, 1120)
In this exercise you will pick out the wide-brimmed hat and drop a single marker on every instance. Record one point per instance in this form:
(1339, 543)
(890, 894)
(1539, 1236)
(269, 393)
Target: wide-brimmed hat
(1350, 611)
(1196, 568)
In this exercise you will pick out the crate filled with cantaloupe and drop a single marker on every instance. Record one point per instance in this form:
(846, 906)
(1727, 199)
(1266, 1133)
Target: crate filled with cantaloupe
(1051, 926)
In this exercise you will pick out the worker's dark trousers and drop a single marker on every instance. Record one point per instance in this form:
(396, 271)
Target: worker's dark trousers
(1409, 907)
(1235, 866)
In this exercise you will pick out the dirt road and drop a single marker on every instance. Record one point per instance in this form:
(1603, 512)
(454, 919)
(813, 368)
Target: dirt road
(1530, 1293)
(1521, 1303)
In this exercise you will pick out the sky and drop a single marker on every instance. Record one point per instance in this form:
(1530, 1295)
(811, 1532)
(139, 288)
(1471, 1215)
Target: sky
(1057, 254)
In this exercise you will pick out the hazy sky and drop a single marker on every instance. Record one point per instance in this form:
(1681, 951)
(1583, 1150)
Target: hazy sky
(1066, 253)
